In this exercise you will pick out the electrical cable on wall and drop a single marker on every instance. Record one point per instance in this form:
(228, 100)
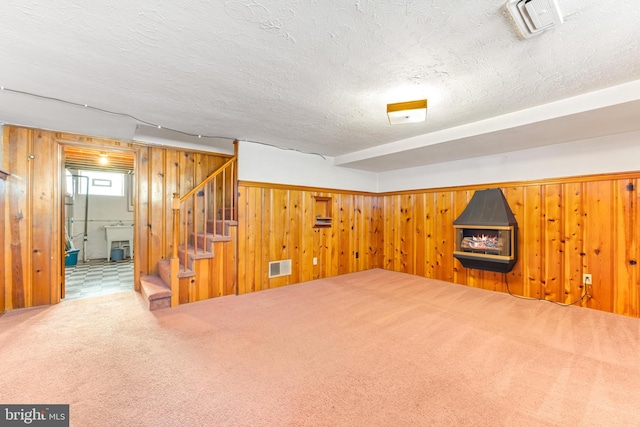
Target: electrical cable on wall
(139, 120)
(584, 295)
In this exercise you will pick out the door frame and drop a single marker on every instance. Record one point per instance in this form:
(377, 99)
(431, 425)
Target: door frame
(108, 146)
(3, 177)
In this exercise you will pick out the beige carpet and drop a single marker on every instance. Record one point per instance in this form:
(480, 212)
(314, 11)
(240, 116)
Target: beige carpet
(368, 349)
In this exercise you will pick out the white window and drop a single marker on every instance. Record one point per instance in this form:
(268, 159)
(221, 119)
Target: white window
(102, 183)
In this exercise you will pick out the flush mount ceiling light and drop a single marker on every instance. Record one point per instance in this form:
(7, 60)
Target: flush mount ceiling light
(407, 112)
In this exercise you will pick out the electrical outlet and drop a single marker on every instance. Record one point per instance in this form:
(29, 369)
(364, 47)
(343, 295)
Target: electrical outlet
(586, 279)
(315, 261)
(357, 255)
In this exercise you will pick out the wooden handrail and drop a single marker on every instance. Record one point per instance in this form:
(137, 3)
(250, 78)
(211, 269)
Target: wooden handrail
(207, 179)
(195, 217)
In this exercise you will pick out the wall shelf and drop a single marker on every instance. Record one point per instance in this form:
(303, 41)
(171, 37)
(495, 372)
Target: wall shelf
(322, 211)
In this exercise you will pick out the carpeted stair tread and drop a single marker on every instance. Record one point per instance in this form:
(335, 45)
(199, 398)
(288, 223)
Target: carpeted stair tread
(192, 255)
(153, 287)
(164, 270)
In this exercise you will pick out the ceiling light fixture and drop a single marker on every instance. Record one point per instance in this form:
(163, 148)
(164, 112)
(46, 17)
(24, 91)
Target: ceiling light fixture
(104, 159)
(407, 112)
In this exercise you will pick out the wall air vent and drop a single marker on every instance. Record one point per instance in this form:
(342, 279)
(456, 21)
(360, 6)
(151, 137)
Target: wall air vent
(532, 17)
(279, 268)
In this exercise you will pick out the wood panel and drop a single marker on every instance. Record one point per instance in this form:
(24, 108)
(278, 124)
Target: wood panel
(344, 223)
(374, 214)
(391, 236)
(416, 236)
(294, 241)
(185, 290)
(17, 244)
(306, 234)
(3, 177)
(625, 249)
(332, 239)
(157, 208)
(406, 229)
(431, 238)
(444, 236)
(249, 238)
(141, 238)
(553, 243)
(42, 218)
(517, 278)
(531, 232)
(230, 262)
(277, 223)
(32, 249)
(202, 286)
(217, 269)
(598, 242)
(565, 229)
(279, 232)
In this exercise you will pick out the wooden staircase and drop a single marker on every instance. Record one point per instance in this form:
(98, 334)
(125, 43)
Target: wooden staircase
(203, 259)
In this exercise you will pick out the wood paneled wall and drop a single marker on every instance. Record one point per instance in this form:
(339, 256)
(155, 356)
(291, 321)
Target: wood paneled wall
(33, 259)
(30, 220)
(160, 172)
(566, 228)
(277, 223)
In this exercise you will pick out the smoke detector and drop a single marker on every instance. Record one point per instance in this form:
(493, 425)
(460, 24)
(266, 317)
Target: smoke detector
(532, 17)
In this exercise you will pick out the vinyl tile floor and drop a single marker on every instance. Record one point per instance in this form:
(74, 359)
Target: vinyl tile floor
(98, 277)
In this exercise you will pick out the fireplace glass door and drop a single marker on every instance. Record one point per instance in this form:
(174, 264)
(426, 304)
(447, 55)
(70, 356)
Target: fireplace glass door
(485, 242)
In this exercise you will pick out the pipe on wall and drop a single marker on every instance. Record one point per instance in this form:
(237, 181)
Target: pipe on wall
(86, 219)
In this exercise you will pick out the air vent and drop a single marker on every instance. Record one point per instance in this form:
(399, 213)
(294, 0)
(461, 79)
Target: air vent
(532, 17)
(279, 268)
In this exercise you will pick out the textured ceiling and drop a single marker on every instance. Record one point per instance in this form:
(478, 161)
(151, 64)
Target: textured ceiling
(310, 75)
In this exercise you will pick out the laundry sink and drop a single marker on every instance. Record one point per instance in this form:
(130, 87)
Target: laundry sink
(119, 233)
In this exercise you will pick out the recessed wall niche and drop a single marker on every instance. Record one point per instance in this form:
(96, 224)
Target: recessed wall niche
(322, 211)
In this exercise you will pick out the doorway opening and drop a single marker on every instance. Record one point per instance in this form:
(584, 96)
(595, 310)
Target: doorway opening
(98, 222)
